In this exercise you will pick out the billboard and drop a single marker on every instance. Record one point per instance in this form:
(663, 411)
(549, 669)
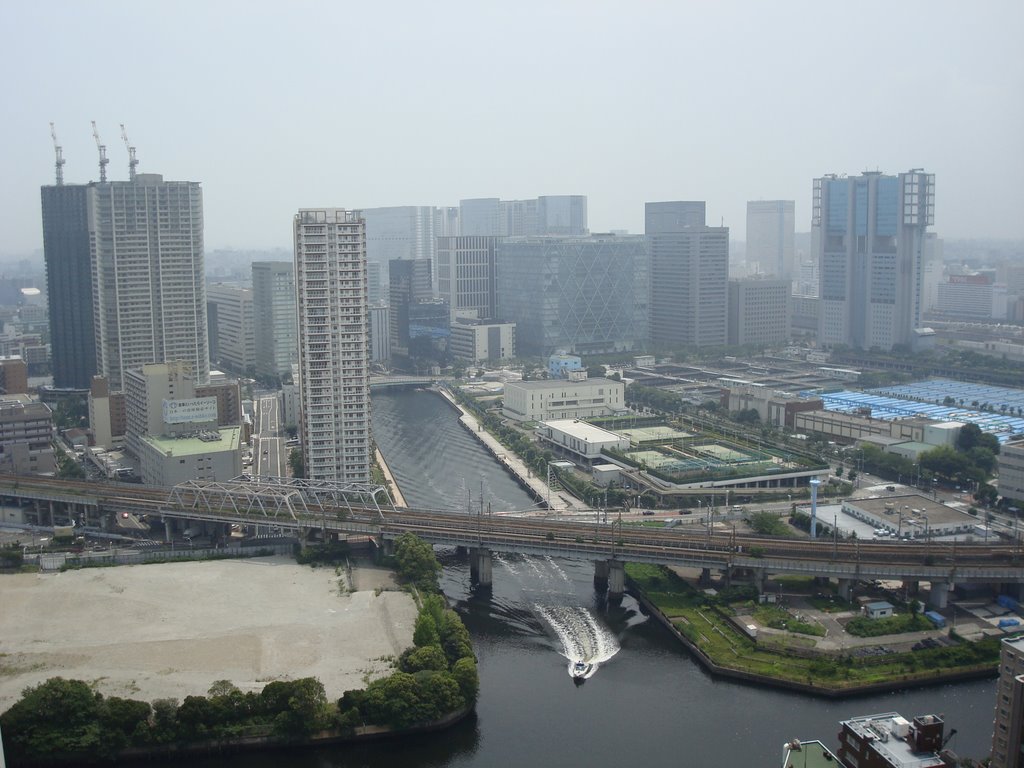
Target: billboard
(195, 410)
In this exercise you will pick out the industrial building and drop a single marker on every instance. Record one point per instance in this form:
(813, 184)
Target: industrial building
(911, 516)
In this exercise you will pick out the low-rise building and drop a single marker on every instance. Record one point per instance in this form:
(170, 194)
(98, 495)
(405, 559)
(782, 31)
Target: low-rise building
(889, 740)
(580, 440)
(773, 406)
(210, 454)
(910, 516)
(562, 399)
(13, 375)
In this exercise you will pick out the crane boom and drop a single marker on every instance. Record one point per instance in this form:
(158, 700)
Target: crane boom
(60, 156)
(132, 161)
(103, 153)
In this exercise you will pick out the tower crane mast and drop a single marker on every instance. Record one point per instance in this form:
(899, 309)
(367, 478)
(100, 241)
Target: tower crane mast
(132, 160)
(60, 156)
(103, 153)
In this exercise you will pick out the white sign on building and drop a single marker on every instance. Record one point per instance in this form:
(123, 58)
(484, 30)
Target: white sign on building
(194, 410)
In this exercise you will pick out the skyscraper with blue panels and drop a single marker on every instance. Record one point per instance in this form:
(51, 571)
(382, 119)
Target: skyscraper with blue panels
(868, 235)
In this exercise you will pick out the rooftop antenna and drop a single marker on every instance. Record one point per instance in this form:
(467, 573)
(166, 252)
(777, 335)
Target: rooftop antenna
(60, 156)
(103, 153)
(132, 161)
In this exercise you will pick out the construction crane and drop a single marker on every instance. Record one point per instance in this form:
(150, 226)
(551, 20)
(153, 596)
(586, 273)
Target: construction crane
(60, 156)
(103, 153)
(132, 161)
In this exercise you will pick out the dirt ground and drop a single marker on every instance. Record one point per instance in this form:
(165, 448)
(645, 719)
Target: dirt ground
(170, 630)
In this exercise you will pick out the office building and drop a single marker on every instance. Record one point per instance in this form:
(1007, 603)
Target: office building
(69, 284)
(26, 436)
(13, 375)
(1011, 472)
(689, 272)
(149, 294)
(480, 216)
(562, 215)
(334, 344)
(579, 294)
(399, 232)
(380, 335)
(466, 278)
(971, 297)
(178, 429)
(409, 282)
(759, 312)
(273, 295)
(1008, 735)
(478, 341)
(229, 311)
(431, 320)
(771, 228)
(868, 236)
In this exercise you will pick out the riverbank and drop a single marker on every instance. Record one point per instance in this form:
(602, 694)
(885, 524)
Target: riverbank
(171, 630)
(724, 652)
(511, 463)
(396, 492)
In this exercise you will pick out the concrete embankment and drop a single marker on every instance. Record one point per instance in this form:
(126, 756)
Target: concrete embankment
(396, 492)
(513, 465)
(895, 684)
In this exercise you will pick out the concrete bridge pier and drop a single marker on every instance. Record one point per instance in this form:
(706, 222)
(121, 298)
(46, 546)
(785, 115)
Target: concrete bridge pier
(845, 589)
(760, 580)
(601, 574)
(705, 577)
(911, 586)
(616, 578)
(386, 547)
(939, 596)
(481, 566)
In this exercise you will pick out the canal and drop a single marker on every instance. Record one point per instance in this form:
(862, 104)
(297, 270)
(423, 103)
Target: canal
(647, 704)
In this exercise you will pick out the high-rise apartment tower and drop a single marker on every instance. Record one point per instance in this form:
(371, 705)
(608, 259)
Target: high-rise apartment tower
(330, 279)
(273, 296)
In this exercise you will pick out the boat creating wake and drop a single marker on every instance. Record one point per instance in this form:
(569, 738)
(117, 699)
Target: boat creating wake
(585, 642)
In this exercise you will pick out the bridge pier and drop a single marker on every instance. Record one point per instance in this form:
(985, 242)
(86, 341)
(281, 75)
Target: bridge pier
(939, 595)
(845, 589)
(761, 580)
(601, 574)
(911, 586)
(481, 566)
(616, 578)
(386, 546)
(705, 577)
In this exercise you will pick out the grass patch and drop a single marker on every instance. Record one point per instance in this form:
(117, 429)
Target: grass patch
(703, 620)
(779, 618)
(862, 626)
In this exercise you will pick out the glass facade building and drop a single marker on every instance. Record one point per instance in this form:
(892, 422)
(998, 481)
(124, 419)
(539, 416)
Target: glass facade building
(582, 294)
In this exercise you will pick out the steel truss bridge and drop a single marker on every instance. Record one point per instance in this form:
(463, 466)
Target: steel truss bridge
(360, 510)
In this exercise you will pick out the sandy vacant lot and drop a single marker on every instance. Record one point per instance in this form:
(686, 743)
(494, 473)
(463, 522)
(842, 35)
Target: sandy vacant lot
(170, 630)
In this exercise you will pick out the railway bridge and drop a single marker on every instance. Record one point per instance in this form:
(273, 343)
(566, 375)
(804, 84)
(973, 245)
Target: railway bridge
(338, 511)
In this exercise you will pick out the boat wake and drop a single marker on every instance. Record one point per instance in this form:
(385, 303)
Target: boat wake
(586, 644)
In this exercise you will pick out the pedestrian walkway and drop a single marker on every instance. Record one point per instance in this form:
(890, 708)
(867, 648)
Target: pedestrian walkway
(556, 501)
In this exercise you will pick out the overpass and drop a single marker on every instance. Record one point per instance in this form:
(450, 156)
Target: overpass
(351, 510)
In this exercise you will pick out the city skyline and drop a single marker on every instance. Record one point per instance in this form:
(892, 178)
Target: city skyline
(622, 129)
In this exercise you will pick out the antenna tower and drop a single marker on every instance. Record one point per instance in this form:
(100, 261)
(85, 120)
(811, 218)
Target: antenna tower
(132, 160)
(103, 153)
(60, 156)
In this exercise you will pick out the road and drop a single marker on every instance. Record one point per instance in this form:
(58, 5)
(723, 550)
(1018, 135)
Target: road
(269, 452)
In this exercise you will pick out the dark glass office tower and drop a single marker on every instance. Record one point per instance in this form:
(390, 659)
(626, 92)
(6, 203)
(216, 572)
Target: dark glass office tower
(69, 284)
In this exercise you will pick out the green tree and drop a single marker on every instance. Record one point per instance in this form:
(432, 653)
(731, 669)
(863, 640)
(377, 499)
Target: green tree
(427, 657)
(425, 632)
(54, 717)
(465, 674)
(416, 562)
(297, 463)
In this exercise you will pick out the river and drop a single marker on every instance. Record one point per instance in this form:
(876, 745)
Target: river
(647, 703)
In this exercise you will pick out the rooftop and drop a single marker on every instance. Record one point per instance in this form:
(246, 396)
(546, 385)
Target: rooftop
(808, 754)
(581, 430)
(230, 440)
(556, 383)
(887, 732)
(912, 505)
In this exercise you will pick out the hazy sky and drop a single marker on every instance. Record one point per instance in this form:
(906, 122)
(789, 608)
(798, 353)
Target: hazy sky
(277, 106)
